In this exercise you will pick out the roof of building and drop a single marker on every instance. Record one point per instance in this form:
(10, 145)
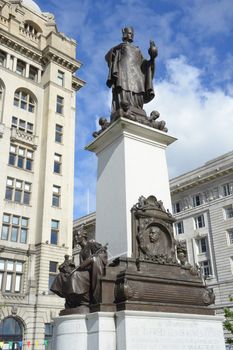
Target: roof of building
(212, 169)
(32, 5)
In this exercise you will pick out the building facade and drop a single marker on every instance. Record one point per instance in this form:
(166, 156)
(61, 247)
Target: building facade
(202, 202)
(37, 127)
(203, 206)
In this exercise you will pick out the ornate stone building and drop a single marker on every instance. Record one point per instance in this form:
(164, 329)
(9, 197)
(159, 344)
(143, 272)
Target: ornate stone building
(37, 124)
(203, 207)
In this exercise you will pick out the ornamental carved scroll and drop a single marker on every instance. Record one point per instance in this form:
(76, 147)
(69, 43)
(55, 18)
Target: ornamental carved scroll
(153, 237)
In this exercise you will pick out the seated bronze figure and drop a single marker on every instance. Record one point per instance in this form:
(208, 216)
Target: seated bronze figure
(80, 285)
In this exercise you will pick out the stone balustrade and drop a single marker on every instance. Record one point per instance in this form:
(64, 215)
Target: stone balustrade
(24, 137)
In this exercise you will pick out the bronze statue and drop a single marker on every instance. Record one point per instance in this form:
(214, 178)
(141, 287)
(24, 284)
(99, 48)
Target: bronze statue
(80, 285)
(130, 75)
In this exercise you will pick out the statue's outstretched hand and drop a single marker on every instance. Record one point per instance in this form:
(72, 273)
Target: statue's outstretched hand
(153, 50)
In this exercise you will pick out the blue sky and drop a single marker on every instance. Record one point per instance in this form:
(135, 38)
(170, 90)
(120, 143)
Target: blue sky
(193, 80)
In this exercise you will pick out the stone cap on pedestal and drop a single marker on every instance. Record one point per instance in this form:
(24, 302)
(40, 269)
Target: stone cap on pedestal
(131, 129)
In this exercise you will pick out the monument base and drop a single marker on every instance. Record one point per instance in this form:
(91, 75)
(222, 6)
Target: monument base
(136, 330)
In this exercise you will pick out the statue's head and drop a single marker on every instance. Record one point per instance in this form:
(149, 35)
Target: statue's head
(128, 34)
(154, 234)
(81, 236)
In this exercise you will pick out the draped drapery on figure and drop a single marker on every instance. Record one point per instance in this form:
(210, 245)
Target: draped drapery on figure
(81, 285)
(130, 75)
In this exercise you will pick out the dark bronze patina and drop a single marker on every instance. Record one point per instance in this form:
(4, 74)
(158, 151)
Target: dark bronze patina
(158, 276)
(80, 285)
(131, 78)
(130, 75)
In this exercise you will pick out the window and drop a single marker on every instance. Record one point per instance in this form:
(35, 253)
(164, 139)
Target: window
(54, 232)
(20, 67)
(202, 245)
(18, 191)
(56, 196)
(48, 334)
(24, 100)
(230, 235)
(30, 29)
(196, 200)
(52, 272)
(58, 133)
(228, 212)
(2, 58)
(14, 228)
(22, 125)
(226, 190)
(177, 207)
(60, 104)
(205, 268)
(11, 272)
(179, 227)
(11, 333)
(60, 78)
(199, 221)
(33, 73)
(20, 157)
(57, 163)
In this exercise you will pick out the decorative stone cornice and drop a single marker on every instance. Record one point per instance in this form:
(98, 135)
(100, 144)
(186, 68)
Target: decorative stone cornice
(47, 55)
(200, 179)
(50, 54)
(15, 250)
(77, 83)
(19, 47)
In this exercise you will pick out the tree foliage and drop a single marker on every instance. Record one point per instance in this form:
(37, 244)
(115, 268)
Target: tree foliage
(228, 323)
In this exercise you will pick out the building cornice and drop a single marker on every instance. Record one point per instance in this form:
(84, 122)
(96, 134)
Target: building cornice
(21, 47)
(199, 180)
(51, 54)
(77, 83)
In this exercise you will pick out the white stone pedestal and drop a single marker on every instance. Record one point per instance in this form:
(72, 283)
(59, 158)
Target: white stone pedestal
(138, 330)
(101, 331)
(85, 332)
(164, 331)
(70, 332)
(131, 163)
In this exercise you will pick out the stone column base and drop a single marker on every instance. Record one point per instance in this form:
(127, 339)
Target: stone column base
(138, 330)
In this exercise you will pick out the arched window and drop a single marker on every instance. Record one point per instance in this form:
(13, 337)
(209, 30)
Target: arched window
(32, 28)
(11, 332)
(24, 100)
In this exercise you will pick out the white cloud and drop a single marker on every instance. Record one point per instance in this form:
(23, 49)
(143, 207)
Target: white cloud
(201, 119)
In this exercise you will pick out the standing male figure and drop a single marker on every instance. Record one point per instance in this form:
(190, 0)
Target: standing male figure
(130, 75)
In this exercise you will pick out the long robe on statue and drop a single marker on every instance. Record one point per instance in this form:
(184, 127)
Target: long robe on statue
(82, 285)
(130, 76)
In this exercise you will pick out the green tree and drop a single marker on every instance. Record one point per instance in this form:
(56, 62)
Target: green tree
(228, 323)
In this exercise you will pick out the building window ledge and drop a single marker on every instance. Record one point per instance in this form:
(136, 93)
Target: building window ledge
(23, 137)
